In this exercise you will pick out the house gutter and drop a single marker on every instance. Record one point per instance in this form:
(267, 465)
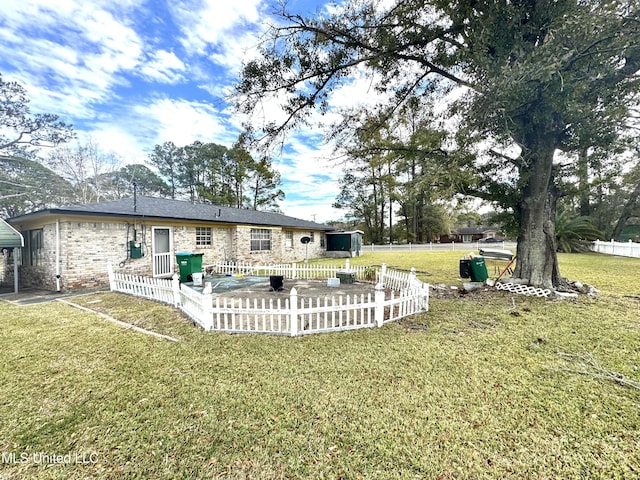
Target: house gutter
(58, 255)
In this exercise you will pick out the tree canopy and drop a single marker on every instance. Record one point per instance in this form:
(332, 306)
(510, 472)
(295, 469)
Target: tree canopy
(20, 129)
(26, 186)
(526, 83)
(212, 173)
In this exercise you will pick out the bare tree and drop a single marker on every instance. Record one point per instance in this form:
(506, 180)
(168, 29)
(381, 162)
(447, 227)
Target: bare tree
(85, 167)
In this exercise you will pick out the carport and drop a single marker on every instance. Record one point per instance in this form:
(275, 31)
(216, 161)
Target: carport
(10, 238)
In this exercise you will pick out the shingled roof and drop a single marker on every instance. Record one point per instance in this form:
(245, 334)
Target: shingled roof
(167, 209)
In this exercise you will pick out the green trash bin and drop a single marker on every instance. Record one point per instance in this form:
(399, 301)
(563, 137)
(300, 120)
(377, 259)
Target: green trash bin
(478, 269)
(189, 263)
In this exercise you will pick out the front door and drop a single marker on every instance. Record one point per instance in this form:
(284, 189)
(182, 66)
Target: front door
(162, 251)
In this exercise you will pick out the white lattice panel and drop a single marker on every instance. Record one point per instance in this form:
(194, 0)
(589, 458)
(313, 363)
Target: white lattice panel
(524, 289)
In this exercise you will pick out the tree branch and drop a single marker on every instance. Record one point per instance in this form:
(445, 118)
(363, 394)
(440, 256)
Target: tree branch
(586, 364)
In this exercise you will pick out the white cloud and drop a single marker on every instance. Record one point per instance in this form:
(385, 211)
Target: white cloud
(164, 67)
(116, 139)
(311, 177)
(233, 50)
(112, 37)
(182, 122)
(212, 22)
(69, 56)
(320, 212)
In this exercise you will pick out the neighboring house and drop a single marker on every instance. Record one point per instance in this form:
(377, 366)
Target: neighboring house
(631, 232)
(470, 234)
(68, 248)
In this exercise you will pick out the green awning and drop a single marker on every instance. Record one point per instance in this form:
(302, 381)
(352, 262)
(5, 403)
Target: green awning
(9, 236)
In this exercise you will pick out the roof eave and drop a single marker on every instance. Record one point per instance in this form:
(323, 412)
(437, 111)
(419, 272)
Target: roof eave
(138, 215)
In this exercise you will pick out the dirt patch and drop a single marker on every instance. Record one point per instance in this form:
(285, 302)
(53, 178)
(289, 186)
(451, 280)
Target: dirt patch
(305, 288)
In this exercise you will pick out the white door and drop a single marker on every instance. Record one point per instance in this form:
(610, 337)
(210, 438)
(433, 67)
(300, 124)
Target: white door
(162, 251)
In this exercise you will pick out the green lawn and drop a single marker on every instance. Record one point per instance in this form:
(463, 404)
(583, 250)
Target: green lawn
(476, 388)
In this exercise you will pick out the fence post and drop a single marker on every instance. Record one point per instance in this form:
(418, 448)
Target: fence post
(112, 279)
(175, 286)
(208, 312)
(346, 267)
(293, 271)
(379, 305)
(425, 296)
(293, 311)
(383, 271)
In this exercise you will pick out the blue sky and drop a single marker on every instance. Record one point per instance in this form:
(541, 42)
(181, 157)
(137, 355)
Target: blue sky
(131, 74)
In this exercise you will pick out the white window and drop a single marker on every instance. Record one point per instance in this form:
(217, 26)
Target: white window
(260, 239)
(288, 239)
(203, 236)
(34, 247)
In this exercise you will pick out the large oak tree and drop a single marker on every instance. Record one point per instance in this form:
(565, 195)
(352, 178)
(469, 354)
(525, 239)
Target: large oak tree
(538, 76)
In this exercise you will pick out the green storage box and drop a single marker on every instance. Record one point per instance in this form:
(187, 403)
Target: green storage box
(478, 269)
(189, 263)
(346, 277)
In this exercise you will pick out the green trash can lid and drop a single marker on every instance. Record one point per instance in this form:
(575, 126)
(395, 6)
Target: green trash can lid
(183, 254)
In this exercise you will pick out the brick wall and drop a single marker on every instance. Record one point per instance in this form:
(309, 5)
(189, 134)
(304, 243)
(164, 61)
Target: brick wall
(87, 247)
(297, 252)
(221, 248)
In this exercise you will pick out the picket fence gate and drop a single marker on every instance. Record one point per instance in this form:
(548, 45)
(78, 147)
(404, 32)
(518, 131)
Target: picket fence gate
(292, 315)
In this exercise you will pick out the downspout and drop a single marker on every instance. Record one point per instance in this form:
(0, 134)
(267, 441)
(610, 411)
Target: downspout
(15, 268)
(58, 255)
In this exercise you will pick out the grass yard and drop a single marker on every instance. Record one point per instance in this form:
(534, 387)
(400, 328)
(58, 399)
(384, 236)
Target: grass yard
(487, 385)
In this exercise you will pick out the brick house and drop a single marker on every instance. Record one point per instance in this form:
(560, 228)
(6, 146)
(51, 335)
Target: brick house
(470, 234)
(68, 248)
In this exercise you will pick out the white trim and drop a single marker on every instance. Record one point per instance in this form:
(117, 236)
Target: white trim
(162, 261)
(57, 254)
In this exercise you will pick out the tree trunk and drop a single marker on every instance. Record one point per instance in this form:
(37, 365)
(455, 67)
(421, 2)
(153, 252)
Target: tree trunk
(537, 261)
(627, 212)
(583, 182)
(418, 215)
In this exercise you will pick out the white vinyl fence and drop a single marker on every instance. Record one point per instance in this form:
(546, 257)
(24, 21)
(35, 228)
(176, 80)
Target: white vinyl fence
(292, 270)
(622, 249)
(292, 315)
(160, 289)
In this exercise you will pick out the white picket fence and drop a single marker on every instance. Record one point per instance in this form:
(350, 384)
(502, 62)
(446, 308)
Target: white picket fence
(622, 249)
(291, 270)
(160, 289)
(292, 315)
